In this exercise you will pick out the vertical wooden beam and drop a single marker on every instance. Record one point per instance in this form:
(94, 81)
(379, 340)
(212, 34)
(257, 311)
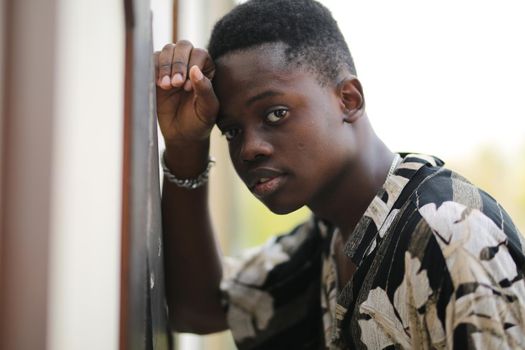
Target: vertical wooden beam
(26, 172)
(3, 56)
(126, 173)
(143, 323)
(175, 31)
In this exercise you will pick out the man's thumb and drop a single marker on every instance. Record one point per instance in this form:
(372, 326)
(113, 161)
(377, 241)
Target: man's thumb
(206, 102)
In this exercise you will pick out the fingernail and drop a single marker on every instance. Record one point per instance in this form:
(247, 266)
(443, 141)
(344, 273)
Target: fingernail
(165, 81)
(187, 85)
(177, 79)
(198, 74)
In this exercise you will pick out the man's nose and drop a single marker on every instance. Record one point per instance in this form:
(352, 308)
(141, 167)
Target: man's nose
(255, 145)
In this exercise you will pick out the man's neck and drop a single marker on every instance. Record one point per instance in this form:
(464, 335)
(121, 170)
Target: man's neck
(346, 203)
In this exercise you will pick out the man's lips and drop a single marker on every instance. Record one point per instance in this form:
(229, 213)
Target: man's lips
(263, 181)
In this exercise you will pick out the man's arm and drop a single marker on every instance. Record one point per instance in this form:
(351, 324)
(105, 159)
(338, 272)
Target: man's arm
(187, 108)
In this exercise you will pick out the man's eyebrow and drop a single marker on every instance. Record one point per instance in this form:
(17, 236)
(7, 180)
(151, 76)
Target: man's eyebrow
(262, 95)
(221, 118)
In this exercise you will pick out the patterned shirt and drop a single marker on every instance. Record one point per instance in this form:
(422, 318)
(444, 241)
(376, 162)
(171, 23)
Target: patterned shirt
(439, 265)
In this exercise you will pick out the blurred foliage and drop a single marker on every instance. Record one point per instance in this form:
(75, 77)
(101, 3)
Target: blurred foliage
(500, 174)
(258, 223)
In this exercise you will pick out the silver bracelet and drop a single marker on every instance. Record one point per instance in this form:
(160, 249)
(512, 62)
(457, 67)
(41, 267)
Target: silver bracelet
(190, 184)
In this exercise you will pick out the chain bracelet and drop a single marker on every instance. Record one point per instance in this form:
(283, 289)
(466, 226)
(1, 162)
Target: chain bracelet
(190, 184)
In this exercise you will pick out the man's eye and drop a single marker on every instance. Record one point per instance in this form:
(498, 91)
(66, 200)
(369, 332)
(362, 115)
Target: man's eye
(230, 133)
(276, 115)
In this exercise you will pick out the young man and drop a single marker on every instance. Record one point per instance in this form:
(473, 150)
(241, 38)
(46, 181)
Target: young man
(400, 252)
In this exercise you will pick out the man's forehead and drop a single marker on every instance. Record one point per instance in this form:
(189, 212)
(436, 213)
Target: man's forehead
(265, 61)
(269, 55)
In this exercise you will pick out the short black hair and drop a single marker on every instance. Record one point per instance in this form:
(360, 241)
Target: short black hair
(306, 27)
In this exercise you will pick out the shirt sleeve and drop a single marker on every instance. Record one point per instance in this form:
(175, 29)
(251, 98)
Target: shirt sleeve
(480, 303)
(269, 292)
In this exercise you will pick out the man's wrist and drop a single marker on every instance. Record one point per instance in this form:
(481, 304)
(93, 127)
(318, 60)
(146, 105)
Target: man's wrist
(187, 160)
(188, 183)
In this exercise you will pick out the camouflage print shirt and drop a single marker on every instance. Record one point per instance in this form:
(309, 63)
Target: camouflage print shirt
(439, 266)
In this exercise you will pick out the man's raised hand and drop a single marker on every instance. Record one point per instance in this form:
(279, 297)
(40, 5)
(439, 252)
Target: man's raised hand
(186, 103)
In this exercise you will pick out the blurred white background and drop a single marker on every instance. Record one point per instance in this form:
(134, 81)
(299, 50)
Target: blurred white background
(440, 77)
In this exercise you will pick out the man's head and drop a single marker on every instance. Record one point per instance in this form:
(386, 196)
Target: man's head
(311, 36)
(290, 105)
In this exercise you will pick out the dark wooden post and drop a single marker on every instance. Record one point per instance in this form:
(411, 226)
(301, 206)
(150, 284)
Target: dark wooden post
(143, 318)
(175, 25)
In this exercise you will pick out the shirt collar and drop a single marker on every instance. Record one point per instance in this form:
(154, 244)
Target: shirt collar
(380, 213)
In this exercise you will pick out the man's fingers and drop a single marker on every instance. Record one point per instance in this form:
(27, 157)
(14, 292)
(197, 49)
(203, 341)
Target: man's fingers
(173, 64)
(180, 63)
(165, 62)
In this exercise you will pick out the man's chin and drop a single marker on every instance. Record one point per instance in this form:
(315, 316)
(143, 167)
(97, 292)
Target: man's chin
(281, 208)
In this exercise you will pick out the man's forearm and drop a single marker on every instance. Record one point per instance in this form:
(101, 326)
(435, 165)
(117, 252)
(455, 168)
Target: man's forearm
(192, 258)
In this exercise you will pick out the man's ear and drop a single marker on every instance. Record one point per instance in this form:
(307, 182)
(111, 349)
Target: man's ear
(351, 99)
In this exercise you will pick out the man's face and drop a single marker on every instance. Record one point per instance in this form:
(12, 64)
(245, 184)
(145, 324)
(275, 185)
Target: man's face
(286, 135)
